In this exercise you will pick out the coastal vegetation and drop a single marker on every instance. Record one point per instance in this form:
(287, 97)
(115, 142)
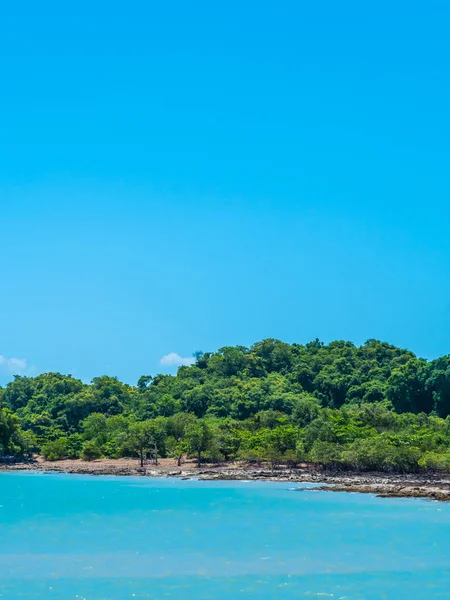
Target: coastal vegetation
(373, 407)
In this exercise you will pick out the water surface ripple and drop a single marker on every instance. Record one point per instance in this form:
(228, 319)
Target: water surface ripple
(112, 538)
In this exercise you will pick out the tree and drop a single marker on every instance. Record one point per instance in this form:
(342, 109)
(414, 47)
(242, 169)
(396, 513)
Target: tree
(95, 428)
(13, 441)
(198, 437)
(111, 394)
(439, 383)
(144, 382)
(276, 356)
(196, 400)
(18, 392)
(144, 437)
(306, 410)
(406, 387)
(177, 449)
(139, 439)
(176, 429)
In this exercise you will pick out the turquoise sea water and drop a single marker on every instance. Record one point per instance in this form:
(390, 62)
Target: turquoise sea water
(77, 537)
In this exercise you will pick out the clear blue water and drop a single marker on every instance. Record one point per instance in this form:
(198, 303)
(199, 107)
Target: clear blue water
(76, 537)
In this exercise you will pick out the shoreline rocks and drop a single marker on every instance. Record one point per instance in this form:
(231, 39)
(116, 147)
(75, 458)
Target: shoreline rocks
(433, 487)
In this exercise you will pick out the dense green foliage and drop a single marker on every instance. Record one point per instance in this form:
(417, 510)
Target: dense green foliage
(338, 405)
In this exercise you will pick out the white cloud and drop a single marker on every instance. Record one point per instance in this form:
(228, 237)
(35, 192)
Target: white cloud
(175, 360)
(15, 366)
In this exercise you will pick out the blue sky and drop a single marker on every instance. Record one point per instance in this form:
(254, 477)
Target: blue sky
(181, 176)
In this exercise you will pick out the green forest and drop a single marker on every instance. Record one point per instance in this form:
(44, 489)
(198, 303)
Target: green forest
(337, 405)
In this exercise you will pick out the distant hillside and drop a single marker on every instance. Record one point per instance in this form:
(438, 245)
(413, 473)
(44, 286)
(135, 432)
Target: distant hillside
(373, 406)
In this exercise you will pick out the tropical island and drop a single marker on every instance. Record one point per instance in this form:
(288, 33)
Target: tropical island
(334, 407)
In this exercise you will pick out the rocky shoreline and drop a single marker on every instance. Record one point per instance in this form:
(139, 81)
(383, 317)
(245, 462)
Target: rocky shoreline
(430, 486)
(382, 485)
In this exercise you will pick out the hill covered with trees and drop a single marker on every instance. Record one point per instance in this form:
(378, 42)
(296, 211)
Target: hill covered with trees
(370, 407)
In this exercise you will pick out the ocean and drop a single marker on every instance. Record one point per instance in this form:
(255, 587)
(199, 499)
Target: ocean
(114, 538)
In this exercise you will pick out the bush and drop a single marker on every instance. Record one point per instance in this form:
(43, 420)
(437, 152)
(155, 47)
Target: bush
(325, 453)
(432, 461)
(291, 458)
(112, 449)
(56, 450)
(252, 455)
(273, 456)
(90, 451)
(381, 454)
(213, 454)
(74, 445)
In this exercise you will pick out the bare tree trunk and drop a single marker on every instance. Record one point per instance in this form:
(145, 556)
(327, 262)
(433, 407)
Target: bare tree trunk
(156, 455)
(141, 452)
(179, 460)
(199, 458)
